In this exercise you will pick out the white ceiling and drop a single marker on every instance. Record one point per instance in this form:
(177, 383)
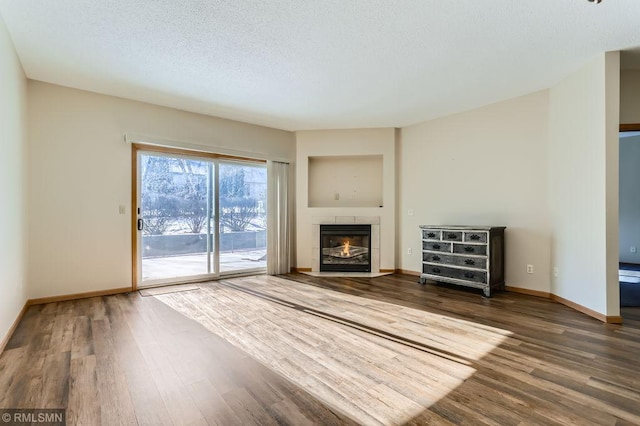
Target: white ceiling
(312, 64)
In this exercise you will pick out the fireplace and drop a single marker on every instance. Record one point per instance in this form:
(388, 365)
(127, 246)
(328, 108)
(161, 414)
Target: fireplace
(345, 248)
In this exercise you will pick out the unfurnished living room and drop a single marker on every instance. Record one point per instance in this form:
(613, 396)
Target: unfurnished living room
(320, 212)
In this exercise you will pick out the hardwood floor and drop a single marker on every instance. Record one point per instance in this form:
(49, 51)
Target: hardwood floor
(129, 360)
(306, 350)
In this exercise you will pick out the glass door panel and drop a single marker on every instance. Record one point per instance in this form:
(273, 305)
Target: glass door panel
(243, 217)
(176, 218)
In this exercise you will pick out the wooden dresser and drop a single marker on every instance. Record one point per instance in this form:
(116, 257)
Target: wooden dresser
(471, 256)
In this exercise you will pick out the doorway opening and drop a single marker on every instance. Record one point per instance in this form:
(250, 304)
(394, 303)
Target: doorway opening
(629, 224)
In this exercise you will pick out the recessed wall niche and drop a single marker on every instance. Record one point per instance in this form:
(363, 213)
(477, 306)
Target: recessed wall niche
(345, 181)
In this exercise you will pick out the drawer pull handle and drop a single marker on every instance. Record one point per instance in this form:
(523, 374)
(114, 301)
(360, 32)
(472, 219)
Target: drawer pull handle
(469, 249)
(451, 236)
(435, 270)
(431, 235)
(435, 258)
(469, 275)
(475, 237)
(470, 262)
(436, 246)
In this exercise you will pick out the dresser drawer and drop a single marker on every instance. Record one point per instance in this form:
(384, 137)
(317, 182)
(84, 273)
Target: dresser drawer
(460, 274)
(433, 246)
(475, 237)
(451, 236)
(447, 259)
(477, 249)
(431, 234)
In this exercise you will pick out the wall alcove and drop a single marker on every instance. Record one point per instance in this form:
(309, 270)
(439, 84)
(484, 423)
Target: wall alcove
(345, 181)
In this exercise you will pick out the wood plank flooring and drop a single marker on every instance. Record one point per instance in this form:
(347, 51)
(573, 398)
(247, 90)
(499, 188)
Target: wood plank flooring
(129, 360)
(307, 350)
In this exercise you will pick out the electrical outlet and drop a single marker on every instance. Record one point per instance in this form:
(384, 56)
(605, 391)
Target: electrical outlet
(410, 212)
(529, 269)
(409, 250)
(336, 196)
(555, 271)
(633, 249)
(122, 209)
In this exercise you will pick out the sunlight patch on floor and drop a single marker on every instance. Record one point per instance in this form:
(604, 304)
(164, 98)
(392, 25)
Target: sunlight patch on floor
(369, 377)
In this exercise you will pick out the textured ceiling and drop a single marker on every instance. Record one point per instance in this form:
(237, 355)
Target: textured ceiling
(311, 64)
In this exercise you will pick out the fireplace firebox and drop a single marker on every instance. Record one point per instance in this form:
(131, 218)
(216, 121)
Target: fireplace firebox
(345, 248)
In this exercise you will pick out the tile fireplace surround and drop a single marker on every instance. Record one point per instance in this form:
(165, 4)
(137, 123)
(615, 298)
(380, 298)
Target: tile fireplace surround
(374, 221)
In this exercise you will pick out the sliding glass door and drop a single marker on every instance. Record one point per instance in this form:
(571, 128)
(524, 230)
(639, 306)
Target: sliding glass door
(243, 217)
(197, 218)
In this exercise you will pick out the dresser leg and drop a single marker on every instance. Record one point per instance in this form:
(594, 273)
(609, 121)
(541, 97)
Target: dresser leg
(487, 291)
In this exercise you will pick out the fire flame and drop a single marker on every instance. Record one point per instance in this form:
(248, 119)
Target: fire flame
(345, 249)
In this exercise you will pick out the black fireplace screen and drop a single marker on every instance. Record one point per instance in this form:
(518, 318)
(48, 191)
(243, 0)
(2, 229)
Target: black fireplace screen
(345, 248)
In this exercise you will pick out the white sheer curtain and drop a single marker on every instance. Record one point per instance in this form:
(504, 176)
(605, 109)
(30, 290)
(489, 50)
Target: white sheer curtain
(278, 227)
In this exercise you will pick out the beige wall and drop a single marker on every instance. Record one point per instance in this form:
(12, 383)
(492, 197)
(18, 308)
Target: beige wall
(483, 167)
(13, 182)
(80, 170)
(630, 96)
(612, 182)
(346, 143)
(583, 185)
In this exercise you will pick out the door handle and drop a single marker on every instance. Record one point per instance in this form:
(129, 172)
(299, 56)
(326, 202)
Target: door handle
(140, 224)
